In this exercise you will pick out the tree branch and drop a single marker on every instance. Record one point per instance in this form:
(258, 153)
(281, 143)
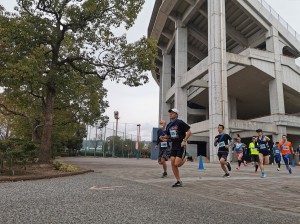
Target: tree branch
(9, 111)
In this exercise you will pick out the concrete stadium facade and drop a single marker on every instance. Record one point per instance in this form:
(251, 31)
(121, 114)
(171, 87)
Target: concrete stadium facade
(227, 62)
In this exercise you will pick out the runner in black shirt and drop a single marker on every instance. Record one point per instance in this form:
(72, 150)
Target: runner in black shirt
(264, 150)
(164, 147)
(179, 132)
(222, 141)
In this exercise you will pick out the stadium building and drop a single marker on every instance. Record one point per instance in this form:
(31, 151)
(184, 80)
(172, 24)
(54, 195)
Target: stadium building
(230, 62)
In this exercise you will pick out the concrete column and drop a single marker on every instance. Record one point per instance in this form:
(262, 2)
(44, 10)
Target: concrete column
(275, 86)
(181, 47)
(218, 94)
(165, 85)
(281, 131)
(160, 95)
(208, 151)
(232, 108)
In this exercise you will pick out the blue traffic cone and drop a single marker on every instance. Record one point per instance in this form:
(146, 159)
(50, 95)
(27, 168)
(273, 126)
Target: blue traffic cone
(201, 166)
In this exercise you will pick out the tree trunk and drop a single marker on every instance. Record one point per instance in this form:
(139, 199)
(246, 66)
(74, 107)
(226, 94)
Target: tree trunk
(45, 153)
(34, 133)
(7, 130)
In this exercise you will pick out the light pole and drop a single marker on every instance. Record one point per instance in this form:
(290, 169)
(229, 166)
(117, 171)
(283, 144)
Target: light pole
(104, 141)
(108, 145)
(116, 115)
(131, 145)
(113, 142)
(87, 134)
(96, 143)
(138, 140)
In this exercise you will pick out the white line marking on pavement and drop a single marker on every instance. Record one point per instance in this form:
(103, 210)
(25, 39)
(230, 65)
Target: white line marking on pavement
(111, 188)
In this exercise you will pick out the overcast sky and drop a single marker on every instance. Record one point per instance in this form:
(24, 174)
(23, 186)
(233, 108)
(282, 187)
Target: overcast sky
(140, 105)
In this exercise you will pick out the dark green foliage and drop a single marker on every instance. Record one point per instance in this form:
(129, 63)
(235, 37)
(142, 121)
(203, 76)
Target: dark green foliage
(16, 151)
(55, 56)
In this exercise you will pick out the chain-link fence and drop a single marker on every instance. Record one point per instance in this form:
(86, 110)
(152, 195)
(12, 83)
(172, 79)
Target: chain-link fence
(110, 142)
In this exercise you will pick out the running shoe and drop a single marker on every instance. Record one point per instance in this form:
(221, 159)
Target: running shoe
(226, 175)
(245, 163)
(290, 170)
(228, 166)
(255, 171)
(238, 168)
(177, 184)
(263, 175)
(278, 169)
(165, 174)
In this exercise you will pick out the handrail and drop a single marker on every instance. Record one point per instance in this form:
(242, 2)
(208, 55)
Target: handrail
(280, 19)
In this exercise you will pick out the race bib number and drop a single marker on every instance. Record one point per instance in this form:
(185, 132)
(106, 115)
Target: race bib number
(277, 151)
(254, 149)
(221, 144)
(286, 148)
(262, 146)
(164, 144)
(173, 133)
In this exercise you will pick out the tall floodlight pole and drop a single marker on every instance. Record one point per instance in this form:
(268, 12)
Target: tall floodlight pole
(116, 115)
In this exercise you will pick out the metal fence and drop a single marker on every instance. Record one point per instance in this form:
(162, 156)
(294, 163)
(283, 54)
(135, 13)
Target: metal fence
(280, 19)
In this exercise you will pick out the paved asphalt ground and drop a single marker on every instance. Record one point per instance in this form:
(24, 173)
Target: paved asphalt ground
(131, 191)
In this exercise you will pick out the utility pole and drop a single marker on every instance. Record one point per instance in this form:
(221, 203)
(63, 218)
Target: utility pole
(125, 142)
(123, 145)
(138, 140)
(96, 143)
(104, 141)
(125, 131)
(113, 149)
(86, 143)
(131, 145)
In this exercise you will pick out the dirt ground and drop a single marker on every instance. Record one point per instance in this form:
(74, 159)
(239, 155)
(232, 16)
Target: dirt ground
(35, 172)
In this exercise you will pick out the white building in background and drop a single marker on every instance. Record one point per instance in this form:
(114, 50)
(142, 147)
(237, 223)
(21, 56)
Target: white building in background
(227, 62)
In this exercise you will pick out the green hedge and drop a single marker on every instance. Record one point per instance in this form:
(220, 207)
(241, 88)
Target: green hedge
(16, 151)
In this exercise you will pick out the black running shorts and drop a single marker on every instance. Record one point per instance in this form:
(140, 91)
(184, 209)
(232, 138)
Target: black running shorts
(223, 155)
(255, 158)
(179, 153)
(265, 152)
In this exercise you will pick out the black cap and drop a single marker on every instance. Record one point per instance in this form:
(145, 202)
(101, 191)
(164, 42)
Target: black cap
(258, 130)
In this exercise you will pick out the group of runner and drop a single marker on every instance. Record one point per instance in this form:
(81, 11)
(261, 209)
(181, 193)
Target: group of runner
(178, 132)
(260, 149)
